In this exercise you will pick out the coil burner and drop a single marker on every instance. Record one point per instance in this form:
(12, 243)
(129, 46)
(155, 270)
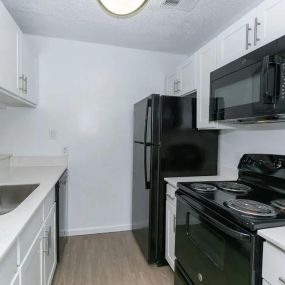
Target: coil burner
(251, 208)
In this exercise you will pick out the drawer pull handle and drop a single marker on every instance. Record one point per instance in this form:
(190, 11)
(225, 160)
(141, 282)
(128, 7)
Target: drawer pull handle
(170, 197)
(282, 280)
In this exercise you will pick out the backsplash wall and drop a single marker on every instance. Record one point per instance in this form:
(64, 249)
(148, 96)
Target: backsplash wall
(259, 138)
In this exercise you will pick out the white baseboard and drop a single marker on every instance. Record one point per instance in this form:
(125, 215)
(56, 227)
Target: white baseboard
(98, 230)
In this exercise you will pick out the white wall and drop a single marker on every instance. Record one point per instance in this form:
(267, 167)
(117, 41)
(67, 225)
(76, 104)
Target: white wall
(263, 138)
(87, 92)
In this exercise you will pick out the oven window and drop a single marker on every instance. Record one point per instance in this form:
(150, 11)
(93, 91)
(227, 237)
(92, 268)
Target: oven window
(237, 89)
(211, 243)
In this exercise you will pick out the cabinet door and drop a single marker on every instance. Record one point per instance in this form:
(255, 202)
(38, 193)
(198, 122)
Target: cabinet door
(28, 73)
(273, 269)
(187, 76)
(32, 267)
(171, 84)
(9, 33)
(235, 41)
(49, 247)
(170, 234)
(270, 15)
(207, 64)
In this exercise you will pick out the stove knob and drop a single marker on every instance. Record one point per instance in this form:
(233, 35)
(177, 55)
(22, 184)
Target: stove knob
(200, 277)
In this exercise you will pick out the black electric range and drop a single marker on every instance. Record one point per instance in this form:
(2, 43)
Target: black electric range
(218, 219)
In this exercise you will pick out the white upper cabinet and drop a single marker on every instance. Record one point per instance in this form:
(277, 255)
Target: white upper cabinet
(9, 33)
(18, 65)
(236, 40)
(270, 15)
(206, 64)
(171, 84)
(187, 76)
(28, 70)
(183, 80)
(260, 26)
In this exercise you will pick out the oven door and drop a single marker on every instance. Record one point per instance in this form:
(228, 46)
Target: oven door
(212, 250)
(245, 92)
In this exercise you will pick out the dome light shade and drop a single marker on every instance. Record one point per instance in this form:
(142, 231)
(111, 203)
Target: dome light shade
(122, 8)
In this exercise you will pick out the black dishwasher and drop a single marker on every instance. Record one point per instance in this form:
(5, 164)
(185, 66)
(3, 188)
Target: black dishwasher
(61, 213)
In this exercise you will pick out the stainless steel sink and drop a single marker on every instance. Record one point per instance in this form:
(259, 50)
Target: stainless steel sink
(12, 196)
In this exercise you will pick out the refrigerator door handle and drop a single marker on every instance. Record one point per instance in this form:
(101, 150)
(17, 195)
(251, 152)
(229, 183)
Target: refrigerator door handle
(147, 183)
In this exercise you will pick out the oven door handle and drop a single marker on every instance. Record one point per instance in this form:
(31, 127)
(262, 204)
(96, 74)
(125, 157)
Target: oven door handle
(214, 223)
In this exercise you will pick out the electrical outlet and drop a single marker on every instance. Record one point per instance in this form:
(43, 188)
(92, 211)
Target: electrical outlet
(65, 150)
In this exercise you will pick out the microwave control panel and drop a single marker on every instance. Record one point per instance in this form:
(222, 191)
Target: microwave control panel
(282, 82)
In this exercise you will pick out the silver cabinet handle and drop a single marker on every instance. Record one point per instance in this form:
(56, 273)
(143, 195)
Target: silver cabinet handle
(282, 280)
(178, 85)
(175, 86)
(170, 197)
(26, 85)
(22, 83)
(174, 223)
(47, 239)
(46, 247)
(256, 24)
(247, 43)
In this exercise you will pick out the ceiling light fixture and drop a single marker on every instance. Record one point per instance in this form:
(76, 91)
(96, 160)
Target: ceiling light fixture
(122, 8)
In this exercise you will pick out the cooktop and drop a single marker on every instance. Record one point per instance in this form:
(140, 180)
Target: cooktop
(251, 206)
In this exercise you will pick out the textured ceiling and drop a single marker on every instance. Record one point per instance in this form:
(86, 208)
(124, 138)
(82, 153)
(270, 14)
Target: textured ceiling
(154, 28)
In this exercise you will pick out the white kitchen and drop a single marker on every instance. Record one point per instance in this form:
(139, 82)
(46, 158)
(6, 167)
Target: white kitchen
(141, 142)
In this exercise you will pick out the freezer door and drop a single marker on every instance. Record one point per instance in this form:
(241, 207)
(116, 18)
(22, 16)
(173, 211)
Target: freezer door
(144, 197)
(146, 120)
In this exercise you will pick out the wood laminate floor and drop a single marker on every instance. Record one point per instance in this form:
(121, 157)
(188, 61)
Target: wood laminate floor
(108, 259)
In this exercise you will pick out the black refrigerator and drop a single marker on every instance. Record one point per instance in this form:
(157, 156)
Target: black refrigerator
(166, 144)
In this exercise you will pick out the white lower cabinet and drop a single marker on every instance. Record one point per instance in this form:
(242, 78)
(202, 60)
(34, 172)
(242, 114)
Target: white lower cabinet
(49, 247)
(32, 259)
(39, 264)
(170, 226)
(8, 266)
(273, 269)
(31, 269)
(170, 234)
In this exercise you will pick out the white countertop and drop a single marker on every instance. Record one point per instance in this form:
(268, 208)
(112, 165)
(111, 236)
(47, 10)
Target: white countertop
(275, 236)
(227, 174)
(11, 224)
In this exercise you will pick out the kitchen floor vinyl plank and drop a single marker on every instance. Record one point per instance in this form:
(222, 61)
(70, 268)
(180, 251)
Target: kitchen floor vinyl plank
(108, 259)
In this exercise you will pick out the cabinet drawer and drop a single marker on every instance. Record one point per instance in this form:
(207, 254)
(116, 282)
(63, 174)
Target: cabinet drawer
(48, 203)
(273, 268)
(170, 194)
(8, 266)
(28, 235)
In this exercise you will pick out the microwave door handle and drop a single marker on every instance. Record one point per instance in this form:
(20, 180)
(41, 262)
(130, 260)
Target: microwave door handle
(268, 93)
(225, 229)
(264, 80)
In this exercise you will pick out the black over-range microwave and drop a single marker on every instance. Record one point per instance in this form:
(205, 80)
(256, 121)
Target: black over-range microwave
(252, 88)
